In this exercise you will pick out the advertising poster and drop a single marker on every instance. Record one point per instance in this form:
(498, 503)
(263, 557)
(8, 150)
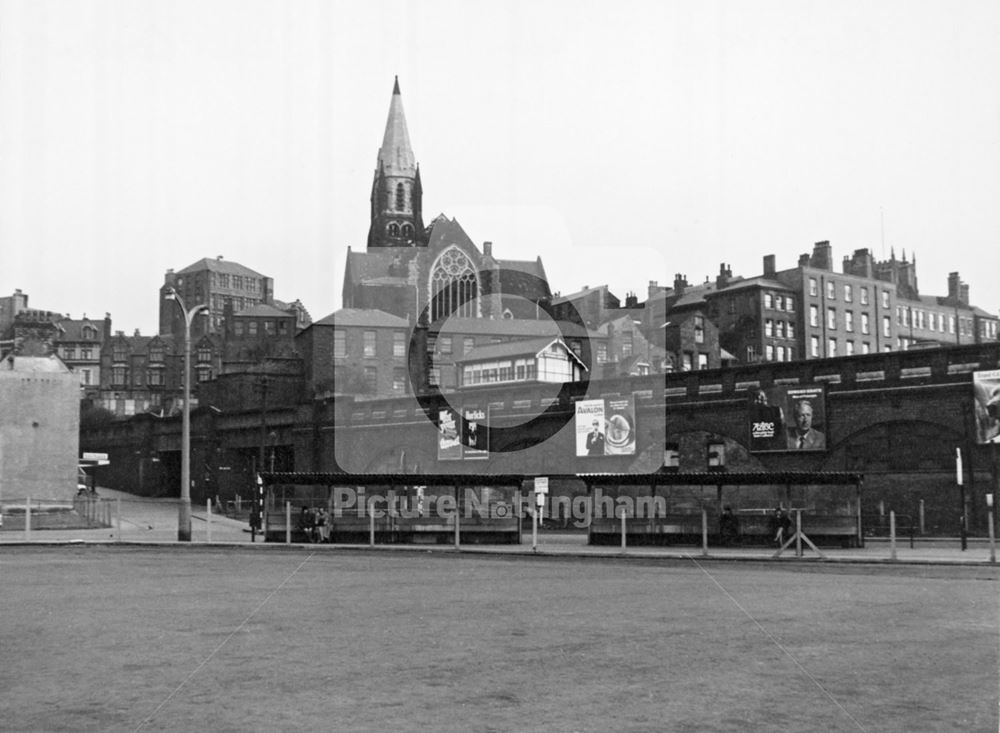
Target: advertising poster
(589, 428)
(449, 439)
(619, 416)
(785, 418)
(605, 427)
(986, 388)
(475, 436)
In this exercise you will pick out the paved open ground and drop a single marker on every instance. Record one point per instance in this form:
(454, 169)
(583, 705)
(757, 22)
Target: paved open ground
(193, 637)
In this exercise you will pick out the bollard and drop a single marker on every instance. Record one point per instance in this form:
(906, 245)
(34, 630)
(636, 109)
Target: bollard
(288, 522)
(208, 520)
(892, 535)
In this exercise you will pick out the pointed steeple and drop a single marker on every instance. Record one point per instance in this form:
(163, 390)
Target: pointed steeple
(396, 156)
(397, 194)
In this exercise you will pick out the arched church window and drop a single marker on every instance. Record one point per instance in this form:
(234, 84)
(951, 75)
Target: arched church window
(454, 286)
(400, 197)
(407, 231)
(394, 230)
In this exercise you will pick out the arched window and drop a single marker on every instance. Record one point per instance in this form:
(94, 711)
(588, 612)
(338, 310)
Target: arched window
(407, 231)
(400, 197)
(394, 230)
(454, 286)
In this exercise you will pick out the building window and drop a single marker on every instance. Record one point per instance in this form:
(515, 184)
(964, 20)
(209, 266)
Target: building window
(283, 327)
(268, 327)
(119, 353)
(204, 354)
(394, 230)
(831, 347)
(769, 328)
(602, 353)
(156, 355)
(238, 327)
(251, 328)
(849, 320)
(154, 378)
(686, 361)
(866, 348)
(118, 375)
(407, 231)
(849, 348)
(398, 343)
(812, 286)
(886, 326)
(814, 345)
(702, 360)
(398, 379)
(864, 296)
(444, 344)
(848, 294)
(779, 303)
(813, 315)
(86, 353)
(69, 352)
(831, 290)
(768, 352)
(779, 353)
(339, 344)
(831, 318)
(468, 344)
(371, 379)
(400, 197)
(85, 376)
(790, 331)
(627, 344)
(368, 344)
(885, 299)
(453, 285)
(89, 333)
(699, 329)
(790, 303)
(768, 300)
(864, 323)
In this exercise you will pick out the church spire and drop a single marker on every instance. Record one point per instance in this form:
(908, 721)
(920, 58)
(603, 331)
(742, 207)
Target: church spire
(396, 199)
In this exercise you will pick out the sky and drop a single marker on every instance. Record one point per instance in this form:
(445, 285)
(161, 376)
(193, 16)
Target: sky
(622, 142)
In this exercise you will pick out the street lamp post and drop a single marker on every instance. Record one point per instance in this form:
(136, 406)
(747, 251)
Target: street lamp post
(184, 510)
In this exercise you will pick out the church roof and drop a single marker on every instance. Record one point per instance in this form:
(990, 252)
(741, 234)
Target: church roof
(362, 317)
(395, 157)
(515, 327)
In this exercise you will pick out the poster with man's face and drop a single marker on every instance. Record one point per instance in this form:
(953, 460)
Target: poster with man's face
(786, 418)
(986, 391)
(605, 427)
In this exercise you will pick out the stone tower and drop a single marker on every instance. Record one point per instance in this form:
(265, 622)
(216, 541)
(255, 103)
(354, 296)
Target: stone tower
(396, 219)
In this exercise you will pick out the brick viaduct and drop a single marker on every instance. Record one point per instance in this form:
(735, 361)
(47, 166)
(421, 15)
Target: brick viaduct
(895, 417)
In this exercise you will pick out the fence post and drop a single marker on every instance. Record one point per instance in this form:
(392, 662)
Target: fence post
(208, 520)
(118, 511)
(27, 517)
(704, 532)
(798, 533)
(922, 525)
(371, 523)
(993, 544)
(892, 535)
(288, 523)
(624, 531)
(458, 527)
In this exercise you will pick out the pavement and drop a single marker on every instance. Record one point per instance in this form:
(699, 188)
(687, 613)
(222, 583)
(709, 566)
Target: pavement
(154, 521)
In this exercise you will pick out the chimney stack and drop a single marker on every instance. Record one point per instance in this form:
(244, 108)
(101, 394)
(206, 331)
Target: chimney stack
(725, 274)
(769, 268)
(822, 256)
(680, 282)
(487, 249)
